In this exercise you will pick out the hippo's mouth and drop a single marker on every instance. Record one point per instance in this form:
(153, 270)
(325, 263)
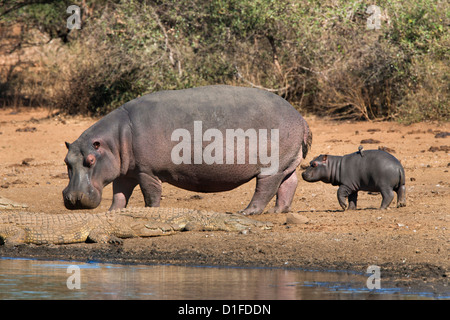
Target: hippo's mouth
(306, 175)
(80, 204)
(74, 200)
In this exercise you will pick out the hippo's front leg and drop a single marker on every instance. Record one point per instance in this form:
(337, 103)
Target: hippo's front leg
(122, 190)
(388, 195)
(342, 194)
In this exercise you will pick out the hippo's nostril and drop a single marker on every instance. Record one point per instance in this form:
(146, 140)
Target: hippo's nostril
(73, 198)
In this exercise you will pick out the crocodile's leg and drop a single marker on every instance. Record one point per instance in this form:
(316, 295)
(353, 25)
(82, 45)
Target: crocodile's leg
(154, 228)
(12, 235)
(98, 235)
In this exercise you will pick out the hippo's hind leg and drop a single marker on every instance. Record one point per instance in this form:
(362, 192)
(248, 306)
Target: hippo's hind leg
(388, 195)
(352, 200)
(285, 193)
(401, 196)
(266, 188)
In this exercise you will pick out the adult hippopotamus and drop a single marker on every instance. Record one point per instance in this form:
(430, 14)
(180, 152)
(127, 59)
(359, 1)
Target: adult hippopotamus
(371, 170)
(206, 139)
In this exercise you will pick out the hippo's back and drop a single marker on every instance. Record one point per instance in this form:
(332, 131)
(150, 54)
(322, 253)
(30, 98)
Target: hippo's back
(216, 106)
(157, 115)
(372, 169)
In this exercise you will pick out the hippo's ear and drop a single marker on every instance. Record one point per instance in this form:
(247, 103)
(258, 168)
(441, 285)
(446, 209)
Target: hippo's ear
(324, 158)
(67, 145)
(96, 145)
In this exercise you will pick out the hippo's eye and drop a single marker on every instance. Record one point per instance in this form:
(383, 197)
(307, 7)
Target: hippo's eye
(96, 145)
(314, 164)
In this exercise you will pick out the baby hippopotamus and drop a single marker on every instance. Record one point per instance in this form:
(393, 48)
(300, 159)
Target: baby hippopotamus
(370, 170)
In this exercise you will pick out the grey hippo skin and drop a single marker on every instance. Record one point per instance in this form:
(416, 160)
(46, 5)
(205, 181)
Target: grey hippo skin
(132, 145)
(370, 170)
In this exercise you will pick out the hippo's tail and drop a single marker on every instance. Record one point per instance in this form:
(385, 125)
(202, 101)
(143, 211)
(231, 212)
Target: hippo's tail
(402, 177)
(307, 140)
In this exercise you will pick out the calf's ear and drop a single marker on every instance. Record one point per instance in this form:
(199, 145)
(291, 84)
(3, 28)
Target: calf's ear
(67, 145)
(325, 157)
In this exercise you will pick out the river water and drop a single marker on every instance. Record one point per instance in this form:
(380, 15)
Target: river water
(36, 279)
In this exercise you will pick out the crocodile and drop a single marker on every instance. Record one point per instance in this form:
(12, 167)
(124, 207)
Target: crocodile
(9, 204)
(113, 226)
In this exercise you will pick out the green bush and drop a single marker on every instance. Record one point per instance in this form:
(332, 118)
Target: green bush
(319, 55)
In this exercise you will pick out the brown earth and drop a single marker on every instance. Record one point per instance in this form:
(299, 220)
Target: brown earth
(410, 244)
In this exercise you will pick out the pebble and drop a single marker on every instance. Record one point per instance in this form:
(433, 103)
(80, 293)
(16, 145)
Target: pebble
(295, 218)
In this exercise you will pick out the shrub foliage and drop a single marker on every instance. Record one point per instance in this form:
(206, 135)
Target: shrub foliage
(322, 56)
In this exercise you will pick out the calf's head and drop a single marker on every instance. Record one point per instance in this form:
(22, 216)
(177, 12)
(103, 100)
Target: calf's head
(317, 170)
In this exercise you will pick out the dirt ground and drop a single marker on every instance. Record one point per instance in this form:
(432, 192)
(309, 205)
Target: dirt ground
(410, 244)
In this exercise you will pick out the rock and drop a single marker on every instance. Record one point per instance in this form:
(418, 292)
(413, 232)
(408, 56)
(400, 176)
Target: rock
(26, 129)
(442, 135)
(369, 141)
(441, 148)
(386, 149)
(295, 218)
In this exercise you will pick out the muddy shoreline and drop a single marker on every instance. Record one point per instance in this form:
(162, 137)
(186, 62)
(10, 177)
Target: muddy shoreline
(411, 244)
(226, 249)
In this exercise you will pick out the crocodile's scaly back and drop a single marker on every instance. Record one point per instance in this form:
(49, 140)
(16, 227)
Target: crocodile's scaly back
(41, 228)
(108, 227)
(191, 219)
